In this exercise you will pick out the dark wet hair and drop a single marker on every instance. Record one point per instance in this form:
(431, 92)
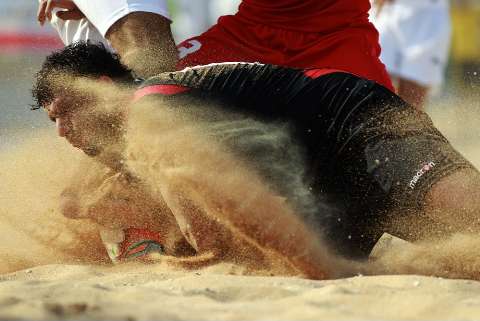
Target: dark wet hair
(81, 59)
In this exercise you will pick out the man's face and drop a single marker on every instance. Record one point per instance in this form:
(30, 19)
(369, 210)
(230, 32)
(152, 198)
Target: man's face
(79, 119)
(69, 120)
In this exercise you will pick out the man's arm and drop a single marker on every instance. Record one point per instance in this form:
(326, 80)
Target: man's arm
(143, 39)
(144, 42)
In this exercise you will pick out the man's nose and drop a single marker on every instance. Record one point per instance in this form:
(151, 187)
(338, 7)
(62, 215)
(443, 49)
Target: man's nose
(62, 126)
(54, 111)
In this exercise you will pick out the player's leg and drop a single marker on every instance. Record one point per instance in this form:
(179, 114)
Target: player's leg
(415, 39)
(412, 92)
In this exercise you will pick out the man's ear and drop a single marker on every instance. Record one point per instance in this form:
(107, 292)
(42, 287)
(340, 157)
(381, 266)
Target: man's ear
(104, 78)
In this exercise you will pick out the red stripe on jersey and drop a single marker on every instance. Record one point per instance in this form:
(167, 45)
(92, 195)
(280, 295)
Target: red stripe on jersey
(316, 73)
(159, 89)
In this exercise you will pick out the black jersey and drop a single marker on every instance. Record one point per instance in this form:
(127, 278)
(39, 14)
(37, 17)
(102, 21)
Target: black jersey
(365, 151)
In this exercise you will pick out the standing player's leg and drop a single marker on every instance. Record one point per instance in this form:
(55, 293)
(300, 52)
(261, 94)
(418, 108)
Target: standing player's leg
(415, 40)
(412, 92)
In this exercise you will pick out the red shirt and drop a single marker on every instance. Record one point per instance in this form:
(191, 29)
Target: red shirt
(320, 34)
(306, 15)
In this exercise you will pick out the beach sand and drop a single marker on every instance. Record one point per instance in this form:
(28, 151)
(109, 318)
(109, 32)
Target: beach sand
(48, 285)
(151, 293)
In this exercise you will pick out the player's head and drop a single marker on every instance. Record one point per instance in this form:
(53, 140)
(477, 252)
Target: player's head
(80, 59)
(73, 108)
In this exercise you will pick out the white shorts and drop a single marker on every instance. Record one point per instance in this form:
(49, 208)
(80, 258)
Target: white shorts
(415, 39)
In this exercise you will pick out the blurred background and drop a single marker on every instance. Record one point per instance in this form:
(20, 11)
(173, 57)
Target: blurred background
(24, 44)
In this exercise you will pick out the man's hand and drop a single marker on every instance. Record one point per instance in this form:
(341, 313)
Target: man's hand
(45, 8)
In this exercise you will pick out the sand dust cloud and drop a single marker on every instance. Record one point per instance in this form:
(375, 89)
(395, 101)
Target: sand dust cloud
(185, 161)
(33, 232)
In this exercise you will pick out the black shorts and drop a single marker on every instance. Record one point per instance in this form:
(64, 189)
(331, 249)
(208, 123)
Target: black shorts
(366, 151)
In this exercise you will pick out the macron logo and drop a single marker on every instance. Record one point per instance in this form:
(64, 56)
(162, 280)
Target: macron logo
(420, 173)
